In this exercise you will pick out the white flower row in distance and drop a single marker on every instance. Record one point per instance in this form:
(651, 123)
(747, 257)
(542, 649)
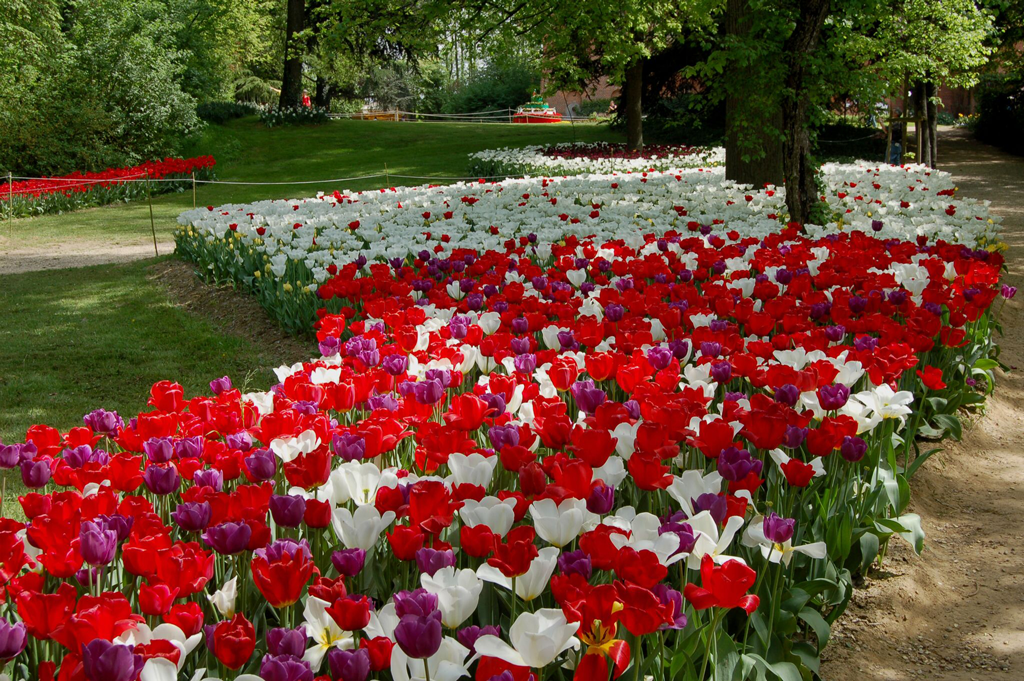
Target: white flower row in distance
(532, 160)
(385, 224)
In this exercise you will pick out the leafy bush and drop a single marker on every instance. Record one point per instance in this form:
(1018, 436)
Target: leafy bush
(1001, 113)
(589, 107)
(496, 87)
(273, 116)
(93, 88)
(221, 112)
(946, 118)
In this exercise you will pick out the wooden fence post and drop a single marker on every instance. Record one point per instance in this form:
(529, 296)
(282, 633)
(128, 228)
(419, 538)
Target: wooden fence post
(152, 220)
(10, 203)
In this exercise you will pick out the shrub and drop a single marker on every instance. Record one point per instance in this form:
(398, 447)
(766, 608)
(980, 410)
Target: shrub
(497, 87)
(274, 116)
(222, 112)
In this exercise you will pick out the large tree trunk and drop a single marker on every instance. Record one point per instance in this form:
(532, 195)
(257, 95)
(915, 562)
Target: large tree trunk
(291, 82)
(801, 190)
(633, 96)
(933, 122)
(755, 157)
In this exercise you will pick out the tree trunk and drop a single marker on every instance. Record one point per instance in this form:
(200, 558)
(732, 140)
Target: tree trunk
(633, 104)
(922, 128)
(933, 122)
(755, 157)
(291, 82)
(801, 189)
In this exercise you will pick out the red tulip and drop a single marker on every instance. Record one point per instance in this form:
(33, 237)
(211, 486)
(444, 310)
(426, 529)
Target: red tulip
(233, 641)
(723, 586)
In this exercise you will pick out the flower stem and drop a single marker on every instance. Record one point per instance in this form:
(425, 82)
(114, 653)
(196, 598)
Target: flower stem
(711, 640)
(426, 670)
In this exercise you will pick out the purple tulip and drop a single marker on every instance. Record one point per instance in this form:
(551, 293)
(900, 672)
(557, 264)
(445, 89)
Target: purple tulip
(78, 456)
(687, 537)
(287, 511)
(832, 397)
(261, 464)
(159, 449)
(283, 641)
(419, 636)
(787, 394)
(162, 480)
(120, 524)
(853, 448)
(525, 363)
(103, 422)
(778, 530)
(349, 446)
(659, 357)
(794, 437)
(190, 447)
(395, 365)
(613, 312)
(275, 551)
(193, 516)
(13, 638)
(575, 562)
(418, 602)
(97, 544)
(348, 562)
(601, 499)
(835, 333)
(1008, 291)
(669, 596)
(228, 538)
(285, 668)
(10, 456)
(349, 665)
(429, 561)
(220, 385)
(713, 504)
(736, 464)
(35, 474)
(468, 636)
(209, 477)
(501, 436)
(106, 661)
(721, 372)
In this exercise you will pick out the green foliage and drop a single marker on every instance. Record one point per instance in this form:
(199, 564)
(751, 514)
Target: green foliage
(221, 112)
(98, 87)
(1001, 113)
(503, 86)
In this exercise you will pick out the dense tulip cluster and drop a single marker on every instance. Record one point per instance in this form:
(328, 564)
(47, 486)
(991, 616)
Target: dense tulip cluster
(599, 157)
(79, 190)
(537, 447)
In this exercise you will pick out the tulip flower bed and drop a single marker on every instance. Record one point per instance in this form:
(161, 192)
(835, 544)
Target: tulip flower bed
(285, 250)
(597, 157)
(81, 190)
(633, 441)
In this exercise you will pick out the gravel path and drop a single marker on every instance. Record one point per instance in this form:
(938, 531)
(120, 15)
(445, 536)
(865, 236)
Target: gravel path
(957, 612)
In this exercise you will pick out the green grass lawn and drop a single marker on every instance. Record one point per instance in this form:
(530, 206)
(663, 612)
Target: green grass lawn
(248, 152)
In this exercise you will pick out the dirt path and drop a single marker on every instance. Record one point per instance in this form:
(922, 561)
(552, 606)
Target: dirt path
(68, 255)
(957, 612)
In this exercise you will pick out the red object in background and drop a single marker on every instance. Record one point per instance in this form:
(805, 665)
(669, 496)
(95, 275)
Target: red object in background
(83, 182)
